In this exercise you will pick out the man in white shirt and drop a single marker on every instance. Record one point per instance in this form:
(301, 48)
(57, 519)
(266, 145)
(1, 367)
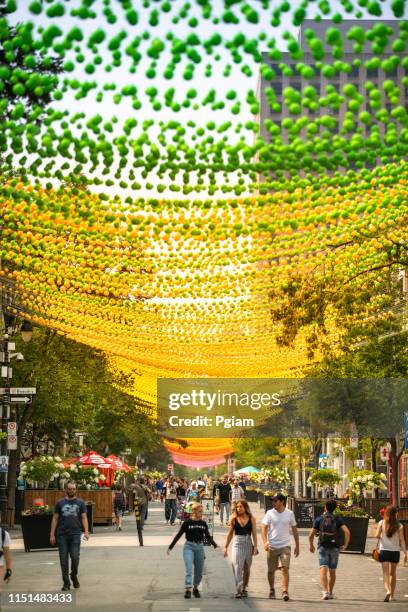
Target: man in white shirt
(275, 528)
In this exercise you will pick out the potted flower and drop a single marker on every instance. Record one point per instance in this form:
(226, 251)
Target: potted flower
(41, 470)
(356, 519)
(269, 494)
(86, 476)
(324, 478)
(36, 526)
(364, 481)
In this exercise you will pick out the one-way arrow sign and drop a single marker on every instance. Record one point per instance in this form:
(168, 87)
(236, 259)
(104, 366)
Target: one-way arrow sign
(19, 398)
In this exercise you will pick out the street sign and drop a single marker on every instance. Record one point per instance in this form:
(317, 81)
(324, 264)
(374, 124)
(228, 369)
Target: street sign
(170, 468)
(354, 442)
(12, 427)
(19, 390)
(12, 442)
(384, 453)
(20, 399)
(360, 464)
(3, 463)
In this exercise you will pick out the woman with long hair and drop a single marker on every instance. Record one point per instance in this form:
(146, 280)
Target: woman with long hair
(245, 545)
(196, 531)
(390, 538)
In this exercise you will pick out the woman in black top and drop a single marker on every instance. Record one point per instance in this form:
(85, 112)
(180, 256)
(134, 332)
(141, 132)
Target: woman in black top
(196, 531)
(245, 545)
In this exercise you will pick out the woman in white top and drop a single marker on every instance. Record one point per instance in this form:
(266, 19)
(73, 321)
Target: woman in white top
(390, 537)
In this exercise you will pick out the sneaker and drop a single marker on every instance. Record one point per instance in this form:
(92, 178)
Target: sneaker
(325, 596)
(196, 592)
(331, 596)
(387, 597)
(75, 581)
(285, 596)
(120, 528)
(187, 594)
(66, 587)
(244, 593)
(272, 594)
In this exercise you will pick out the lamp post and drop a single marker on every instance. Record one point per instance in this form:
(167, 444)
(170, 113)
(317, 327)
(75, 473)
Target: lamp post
(6, 374)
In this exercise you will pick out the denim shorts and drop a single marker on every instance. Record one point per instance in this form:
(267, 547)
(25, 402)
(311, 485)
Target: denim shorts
(328, 557)
(389, 556)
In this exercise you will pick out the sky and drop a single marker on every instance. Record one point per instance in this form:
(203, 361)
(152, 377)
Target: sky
(121, 76)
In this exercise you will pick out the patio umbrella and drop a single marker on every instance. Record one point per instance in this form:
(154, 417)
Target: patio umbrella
(117, 464)
(250, 469)
(93, 458)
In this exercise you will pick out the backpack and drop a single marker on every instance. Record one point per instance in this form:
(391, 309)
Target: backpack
(119, 500)
(330, 535)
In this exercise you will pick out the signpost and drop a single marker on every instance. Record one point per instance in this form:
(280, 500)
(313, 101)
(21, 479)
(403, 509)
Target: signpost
(360, 464)
(19, 390)
(384, 453)
(12, 442)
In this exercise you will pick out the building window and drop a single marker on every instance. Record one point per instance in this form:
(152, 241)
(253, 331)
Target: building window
(355, 72)
(277, 88)
(276, 69)
(372, 73)
(296, 85)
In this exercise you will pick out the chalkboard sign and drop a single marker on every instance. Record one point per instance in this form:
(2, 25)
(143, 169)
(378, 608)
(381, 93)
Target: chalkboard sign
(304, 513)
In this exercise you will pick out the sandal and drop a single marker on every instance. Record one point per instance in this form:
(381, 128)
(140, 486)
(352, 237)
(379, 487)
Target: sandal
(285, 596)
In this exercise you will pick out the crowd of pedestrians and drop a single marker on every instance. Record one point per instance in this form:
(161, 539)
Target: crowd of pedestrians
(69, 528)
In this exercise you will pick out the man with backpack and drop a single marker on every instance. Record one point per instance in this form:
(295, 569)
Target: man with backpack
(119, 506)
(333, 536)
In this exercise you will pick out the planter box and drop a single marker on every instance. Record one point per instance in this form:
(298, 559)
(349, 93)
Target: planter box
(251, 496)
(36, 531)
(358, 530)
(103, 499)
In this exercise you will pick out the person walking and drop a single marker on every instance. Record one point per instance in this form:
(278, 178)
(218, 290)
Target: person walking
(119, 506)
(224, 494)
(193, 494)
(390, 539)
(244, 545)
(333, 536)
(68, 522)
(275, 529)
(195, 530)
(170, 500)
(237, 493)
(5, 556)
(159, 488)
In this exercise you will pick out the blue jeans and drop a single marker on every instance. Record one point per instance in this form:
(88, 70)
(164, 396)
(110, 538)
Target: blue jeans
(170, 510)
(225, 506)
(69, 545)
(193, 555)
(328, 557)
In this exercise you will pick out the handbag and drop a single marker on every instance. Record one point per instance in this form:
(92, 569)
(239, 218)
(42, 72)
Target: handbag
(376, 554)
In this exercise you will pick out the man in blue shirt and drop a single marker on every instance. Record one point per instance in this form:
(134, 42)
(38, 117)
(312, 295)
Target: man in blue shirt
(333, 536)
(68, 522)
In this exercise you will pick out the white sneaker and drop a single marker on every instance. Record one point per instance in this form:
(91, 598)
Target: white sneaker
(331, 596)
(325, 596)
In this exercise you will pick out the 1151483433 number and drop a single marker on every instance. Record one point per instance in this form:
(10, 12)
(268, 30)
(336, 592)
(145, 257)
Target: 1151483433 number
(38, 597)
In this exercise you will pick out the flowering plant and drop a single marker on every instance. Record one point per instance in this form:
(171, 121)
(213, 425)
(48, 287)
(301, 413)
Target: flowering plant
(361, 481)
(38, 510)
(350, 510)
(324, 477)
(41, 469)
(278, 475)
(85, 476)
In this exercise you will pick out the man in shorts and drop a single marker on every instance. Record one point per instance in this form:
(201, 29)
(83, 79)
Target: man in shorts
(333, 537)
(275, 528)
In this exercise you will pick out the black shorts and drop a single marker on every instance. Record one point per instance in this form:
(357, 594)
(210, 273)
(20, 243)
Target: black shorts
(389, 556)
